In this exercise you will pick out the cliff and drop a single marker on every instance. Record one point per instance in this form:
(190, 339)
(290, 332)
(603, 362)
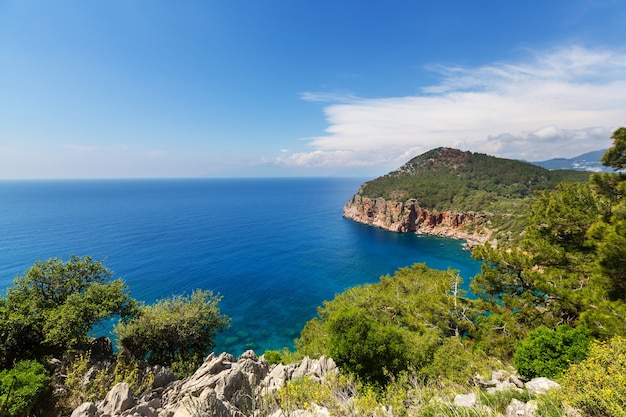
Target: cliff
(409, 217)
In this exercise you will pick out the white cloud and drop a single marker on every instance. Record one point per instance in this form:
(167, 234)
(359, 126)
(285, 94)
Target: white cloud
(559, 103)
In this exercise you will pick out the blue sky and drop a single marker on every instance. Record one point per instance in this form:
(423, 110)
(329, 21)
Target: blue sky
(134, 89)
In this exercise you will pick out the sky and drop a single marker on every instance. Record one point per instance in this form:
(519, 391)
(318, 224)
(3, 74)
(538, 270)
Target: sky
(251, 88)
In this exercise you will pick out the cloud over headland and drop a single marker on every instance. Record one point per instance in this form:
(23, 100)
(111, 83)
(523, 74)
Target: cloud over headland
(557, 103)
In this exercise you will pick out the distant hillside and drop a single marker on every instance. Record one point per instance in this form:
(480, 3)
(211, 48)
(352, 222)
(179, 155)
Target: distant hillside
(589, 161)
(446, 179)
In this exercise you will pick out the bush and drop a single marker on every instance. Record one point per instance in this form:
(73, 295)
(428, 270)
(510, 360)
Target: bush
(22, 387)
(273, 357)
(597, 385)
(550, 352)
(174, 332)
(378, 330)
(361, 345)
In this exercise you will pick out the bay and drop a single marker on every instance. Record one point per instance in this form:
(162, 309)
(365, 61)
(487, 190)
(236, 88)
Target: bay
(275, 249)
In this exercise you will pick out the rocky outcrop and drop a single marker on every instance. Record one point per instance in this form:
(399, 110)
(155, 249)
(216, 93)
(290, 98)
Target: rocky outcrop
(223, 387)
(409, 217)
(503, 380)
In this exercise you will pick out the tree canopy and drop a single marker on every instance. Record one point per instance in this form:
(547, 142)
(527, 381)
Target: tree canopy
(179, 330)
(378, 330)
(615, 156)
(450, 179)
(54, 305)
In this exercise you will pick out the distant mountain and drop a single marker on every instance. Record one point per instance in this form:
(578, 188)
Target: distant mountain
(589, 161)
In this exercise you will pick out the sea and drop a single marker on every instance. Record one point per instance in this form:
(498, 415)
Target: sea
(274, 249)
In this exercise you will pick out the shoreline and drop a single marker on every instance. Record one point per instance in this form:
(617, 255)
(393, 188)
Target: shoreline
(409, 217)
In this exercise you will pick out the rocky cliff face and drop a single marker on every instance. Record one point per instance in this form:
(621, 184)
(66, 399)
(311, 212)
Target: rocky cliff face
(222, 387)
(409, 217)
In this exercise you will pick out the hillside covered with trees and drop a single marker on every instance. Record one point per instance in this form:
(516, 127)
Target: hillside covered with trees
(447, 179)
(545, 297)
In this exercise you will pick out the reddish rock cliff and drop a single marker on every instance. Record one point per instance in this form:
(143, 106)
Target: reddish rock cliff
(409, 217)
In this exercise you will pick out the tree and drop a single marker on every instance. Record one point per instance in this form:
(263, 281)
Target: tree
(615, 156)
(378, 330)
(361, 345)
(54, 305)
(177, 331)
(568, 267)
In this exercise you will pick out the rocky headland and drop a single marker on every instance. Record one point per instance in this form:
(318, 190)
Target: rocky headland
(409, 217)
(451, 193)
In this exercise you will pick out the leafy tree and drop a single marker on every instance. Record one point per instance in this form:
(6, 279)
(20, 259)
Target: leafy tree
(549, 352)
(55, 304)
(569, 266)
(378, 330)
(22, 387)
(176, 331)
(615, 156)
(361, 345)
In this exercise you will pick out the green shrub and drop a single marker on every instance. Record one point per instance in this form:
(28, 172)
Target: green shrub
(361, 345)
(550, 352)
(597, 385)
(22, 387)
(175, 332)
(273, 357)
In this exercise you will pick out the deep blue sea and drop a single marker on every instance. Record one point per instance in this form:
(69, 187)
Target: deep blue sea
(275, 249)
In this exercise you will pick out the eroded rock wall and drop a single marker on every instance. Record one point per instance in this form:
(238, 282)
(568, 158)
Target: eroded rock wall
(409, 217)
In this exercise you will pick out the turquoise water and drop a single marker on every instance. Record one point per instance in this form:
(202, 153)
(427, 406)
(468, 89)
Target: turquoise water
(275, 249)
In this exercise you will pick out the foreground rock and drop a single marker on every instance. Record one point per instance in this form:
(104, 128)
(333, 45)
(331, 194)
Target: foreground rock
(223, 387)
(503, 380)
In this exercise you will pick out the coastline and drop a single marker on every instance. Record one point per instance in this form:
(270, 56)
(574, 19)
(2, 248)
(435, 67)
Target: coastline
(409, 217)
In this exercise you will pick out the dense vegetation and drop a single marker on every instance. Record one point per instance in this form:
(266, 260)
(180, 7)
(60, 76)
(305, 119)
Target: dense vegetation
(542, 296)
(399, 324)
(50, 310)
(449, 179)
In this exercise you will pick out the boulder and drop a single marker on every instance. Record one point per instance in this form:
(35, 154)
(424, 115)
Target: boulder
(466, 400)
(276, 378)
(118, 400)
(162, 376)
(515, 380)
(85, 410)
(540, 385)
(519, 409)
